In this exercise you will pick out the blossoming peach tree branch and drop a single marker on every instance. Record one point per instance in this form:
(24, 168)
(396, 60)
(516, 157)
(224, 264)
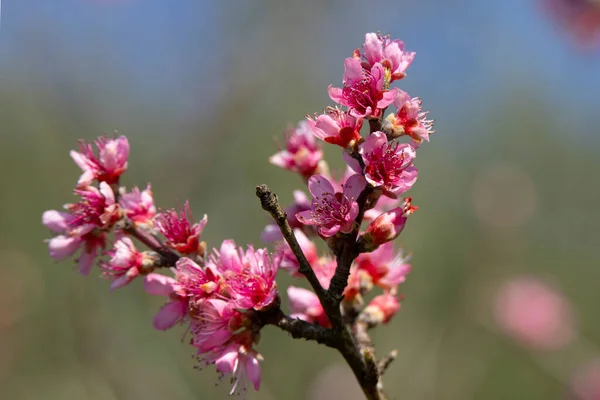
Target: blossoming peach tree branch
(227, 295)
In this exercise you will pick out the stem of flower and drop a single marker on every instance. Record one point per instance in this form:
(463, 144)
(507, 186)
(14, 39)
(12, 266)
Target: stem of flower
(169, 257)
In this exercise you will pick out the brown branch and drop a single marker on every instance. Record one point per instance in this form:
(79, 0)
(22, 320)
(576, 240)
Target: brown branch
(363, 364)
(297, 328)
(269, 203)
(385, 362)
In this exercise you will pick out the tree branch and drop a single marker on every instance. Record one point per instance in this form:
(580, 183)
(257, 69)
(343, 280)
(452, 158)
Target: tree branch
(297, 328)
(270, 203)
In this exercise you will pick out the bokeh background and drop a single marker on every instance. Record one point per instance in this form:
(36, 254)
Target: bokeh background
(508, 188)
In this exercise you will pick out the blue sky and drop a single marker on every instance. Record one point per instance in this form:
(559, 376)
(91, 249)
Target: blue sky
(470, 47)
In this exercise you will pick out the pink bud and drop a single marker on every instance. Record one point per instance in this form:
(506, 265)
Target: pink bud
(388, 225)
(381, 309)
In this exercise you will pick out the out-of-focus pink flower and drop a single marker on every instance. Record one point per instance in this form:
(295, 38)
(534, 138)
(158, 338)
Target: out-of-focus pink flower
(388, 164)
(586, 381)
(302, 153)
(534, 314)
(580, 18)
(410, 119)
(125, 263)
(384, 268)
(336, 127)
(364, 91)
(138, 206)
(381, 309)
(389, 53)
(107, 166)
(332, 211)
(175, 310)
(288, 259)
(239, 361)
(178, 229)
(305, 305)
(388, 225)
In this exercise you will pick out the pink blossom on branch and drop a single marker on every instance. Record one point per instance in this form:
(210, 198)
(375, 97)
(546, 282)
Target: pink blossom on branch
(175, 310)
(387, 226)
(178, 229)
(125, 263)
(384, 267)
(389, 53)
(302, 153)
(272, 233)
(138, 205)
(82, 226)
(107, 165)
(305, 305)
(381, 309)
(410, 120)
(332, 211)
(388, 165)
(336, 127)
(364, 91)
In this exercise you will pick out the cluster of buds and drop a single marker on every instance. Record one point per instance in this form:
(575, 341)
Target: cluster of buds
(225, 296)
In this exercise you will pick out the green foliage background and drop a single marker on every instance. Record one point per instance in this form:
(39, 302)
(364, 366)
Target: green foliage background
(64, 336)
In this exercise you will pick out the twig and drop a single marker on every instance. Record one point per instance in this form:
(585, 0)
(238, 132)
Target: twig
(385, 362)
(269, 203)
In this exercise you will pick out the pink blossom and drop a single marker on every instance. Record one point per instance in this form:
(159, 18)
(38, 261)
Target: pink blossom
(384, 204)
(214, 323)
(239, 361)
(288, 259)
(332, 211)
(195, 281)
(390, 53)
(364, 92)
(97, 207)
(410, 119)
(175, 310)
(384, 267)
(82, 227)
(381, 309)
(107, 166)
(178, 229)
(305, 305)
(534, 314)
(138, 206)
(254, 286)
(125, 263)
(388, 225)
(336, 127)
(388, 164)
(302, 153)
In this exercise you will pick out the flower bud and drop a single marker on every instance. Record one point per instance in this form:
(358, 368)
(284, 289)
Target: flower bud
(387, 226)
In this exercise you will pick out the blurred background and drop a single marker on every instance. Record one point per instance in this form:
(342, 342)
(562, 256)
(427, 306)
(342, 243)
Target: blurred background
(508, 189)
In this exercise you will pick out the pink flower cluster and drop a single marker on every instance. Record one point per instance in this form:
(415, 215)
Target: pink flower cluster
(214, 294)
(216, 300)
(380, 169)
(225, 296)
